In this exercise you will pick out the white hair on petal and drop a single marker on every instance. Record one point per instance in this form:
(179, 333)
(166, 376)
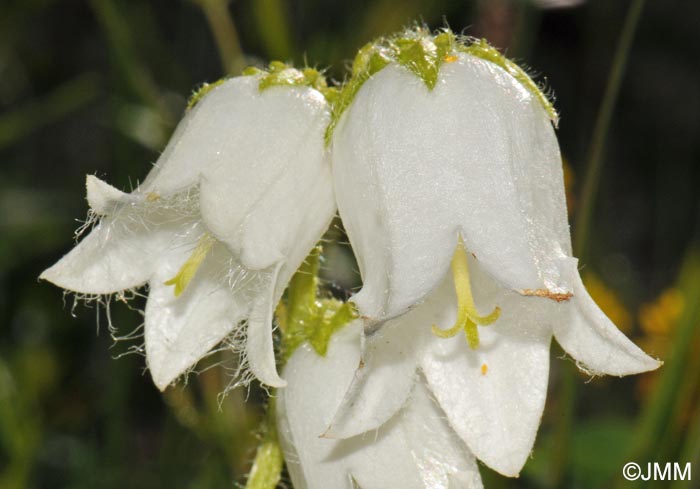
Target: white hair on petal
(144, 212)
(91, 220)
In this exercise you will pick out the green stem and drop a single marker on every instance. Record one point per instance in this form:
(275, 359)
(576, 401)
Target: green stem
(563, 431)
(564, 426)
(594, 162)
(657, 415)
(225, 35)
(269, 460)
(672, 437)
(691, 451)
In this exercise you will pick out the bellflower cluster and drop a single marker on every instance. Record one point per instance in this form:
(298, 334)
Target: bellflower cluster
(441, 157)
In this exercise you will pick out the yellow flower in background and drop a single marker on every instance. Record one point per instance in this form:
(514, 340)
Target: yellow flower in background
(609, 301)
(569, 181)
(658, 318)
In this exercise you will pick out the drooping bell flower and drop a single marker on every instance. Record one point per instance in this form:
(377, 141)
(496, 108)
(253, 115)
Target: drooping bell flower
(448, 179)
(417, 449)
(493, 395)
(440, 142)
(236, 201)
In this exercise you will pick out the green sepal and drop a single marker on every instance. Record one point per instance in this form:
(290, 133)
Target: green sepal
(198, 94)
(306, 317)
(424, 54)
(279, 74)
(369, 60)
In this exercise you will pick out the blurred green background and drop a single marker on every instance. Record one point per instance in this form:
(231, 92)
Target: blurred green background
(96, 87)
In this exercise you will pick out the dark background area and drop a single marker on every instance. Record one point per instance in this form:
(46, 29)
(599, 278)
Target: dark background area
(96, 87)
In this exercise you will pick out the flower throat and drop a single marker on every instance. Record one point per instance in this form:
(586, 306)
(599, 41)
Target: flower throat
(467, 316)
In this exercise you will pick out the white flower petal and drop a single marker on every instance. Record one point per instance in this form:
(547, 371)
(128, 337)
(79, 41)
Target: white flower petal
(586, 333)
(414, 168)
(465, 480)
(180, 330)
(103, 198)
(381, 385)
(101, 265)
(119, 253)
(390, 357)
(415, 450)
(261, 163)
(251, 167)
(271, 189)
(201, 138)
(386, 186)
(511, 145)
(315, 387)
(440, 455)
(259, 345)
(494, 395)
(539, 179)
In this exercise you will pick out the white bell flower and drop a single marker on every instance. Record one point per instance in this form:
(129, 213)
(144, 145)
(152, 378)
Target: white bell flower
(494, 394)
(416, 449)
(230, 210)
(445, 159)
(440, 141)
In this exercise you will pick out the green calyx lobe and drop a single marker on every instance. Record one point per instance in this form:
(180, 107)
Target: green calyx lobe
(417, 50)
(371, 59)
(279, 74)
(424, 54)
(306, 317)
(199, 94)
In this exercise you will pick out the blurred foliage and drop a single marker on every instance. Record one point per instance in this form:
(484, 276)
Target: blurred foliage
(96, 87)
